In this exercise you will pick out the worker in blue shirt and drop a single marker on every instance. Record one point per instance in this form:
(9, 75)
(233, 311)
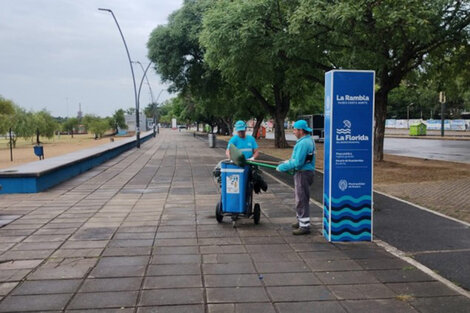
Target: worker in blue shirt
(302, 162)
(245, 143)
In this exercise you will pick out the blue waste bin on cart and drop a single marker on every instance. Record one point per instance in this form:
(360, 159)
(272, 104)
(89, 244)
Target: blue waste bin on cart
(236, 193)
(234, 184)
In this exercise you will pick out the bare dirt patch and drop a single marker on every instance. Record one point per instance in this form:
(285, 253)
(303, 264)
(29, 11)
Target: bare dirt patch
(23, 153)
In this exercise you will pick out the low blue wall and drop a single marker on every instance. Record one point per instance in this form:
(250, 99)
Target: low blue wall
(37, 182)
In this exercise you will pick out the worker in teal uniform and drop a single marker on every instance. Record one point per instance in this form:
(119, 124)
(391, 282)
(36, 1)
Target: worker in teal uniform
(302, 162)
(245, 143)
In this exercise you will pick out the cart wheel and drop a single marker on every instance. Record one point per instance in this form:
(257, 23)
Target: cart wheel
(218, 212)
(256, 213)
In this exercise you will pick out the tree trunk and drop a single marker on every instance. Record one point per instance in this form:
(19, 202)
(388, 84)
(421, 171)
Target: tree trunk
(379, 128)
(259, 120)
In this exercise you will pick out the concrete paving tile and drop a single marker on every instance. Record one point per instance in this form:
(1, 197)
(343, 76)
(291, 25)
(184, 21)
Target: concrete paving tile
(128, 251)
(111, 284)
(104, 300)
(290, 279)
(120, 310)
(163, 228)
(378, 305)
(426, 289)
(268, 257)
(4, 238)
(125, 243)
(13, 275)
(308, 307)
(172, 296)
(197, 308)
(60, 272)
(143, 229)
(401, 276)
(219, 241)
(124, 261)
(176, 259)
(236, 294)
(25, 255)
(176, 250)
(173, 269)
(234, 280)
(299, 293)
(281, 267)
(37, 245)
(347, 277)
(361, 292)
(5, 288)
(94, 233)
(457, 304)
(214, 249)
(13, 265)
(117, 271)
(40, 287)
(176, 235)
(85, 244)
(34, 303)
(228, 258)
(177, 242)
(262, 240)
(234, 268)
(134, 236)
(324, 255)
(241, 308)
(77, 253)
(269, 248)
(382, 263)
(165, 282)
(333, 265)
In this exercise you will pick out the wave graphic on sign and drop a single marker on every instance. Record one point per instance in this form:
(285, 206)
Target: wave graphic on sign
(343, 131)
(350, 216)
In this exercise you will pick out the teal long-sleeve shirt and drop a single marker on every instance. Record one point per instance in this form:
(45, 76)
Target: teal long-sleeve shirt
(302, 148)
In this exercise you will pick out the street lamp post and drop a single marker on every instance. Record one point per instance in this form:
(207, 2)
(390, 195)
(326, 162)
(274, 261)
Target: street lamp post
(137, 126)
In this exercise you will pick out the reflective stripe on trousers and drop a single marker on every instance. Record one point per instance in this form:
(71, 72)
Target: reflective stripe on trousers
(302, 182)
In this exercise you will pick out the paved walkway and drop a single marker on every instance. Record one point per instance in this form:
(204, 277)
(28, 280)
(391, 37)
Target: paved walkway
(138, 234)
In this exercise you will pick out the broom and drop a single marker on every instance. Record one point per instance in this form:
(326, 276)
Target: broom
(238, 158)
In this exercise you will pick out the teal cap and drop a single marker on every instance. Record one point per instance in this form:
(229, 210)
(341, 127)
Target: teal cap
(302, 124)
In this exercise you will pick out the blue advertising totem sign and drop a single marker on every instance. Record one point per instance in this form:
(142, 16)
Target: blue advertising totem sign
(348, 163)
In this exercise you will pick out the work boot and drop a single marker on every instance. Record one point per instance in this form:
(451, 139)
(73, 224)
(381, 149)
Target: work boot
(295, 225)
(301, 231)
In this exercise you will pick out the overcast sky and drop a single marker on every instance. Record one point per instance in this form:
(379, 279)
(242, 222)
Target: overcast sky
(55, 54)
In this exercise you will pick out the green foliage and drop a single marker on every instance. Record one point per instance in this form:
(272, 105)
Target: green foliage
(45, 123)
(98, 126)
(118, 120)
(7, 110)
(71, 125)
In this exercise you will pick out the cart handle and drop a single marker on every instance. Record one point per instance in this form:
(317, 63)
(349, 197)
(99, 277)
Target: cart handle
(266, 165)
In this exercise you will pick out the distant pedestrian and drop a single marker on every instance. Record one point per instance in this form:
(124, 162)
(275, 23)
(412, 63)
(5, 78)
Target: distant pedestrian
(302, 162)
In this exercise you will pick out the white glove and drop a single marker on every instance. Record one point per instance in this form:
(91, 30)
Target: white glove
(251, 159)
(277, 168)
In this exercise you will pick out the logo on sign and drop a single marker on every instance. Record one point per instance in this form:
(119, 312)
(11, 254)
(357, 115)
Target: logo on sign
(343, 135)
(343, 184)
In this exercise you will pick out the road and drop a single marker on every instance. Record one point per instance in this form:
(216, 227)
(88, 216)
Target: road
(435, 149)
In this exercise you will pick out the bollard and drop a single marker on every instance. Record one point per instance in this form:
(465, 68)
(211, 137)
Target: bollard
(211, 140)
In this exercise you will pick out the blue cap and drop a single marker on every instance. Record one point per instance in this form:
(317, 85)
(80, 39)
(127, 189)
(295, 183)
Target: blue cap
(240, 126)
(302, 124)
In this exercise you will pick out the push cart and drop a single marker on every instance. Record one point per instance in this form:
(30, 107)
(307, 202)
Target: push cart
(237, 193)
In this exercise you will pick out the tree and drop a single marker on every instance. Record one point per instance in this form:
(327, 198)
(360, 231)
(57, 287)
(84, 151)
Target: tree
(179, 58)
(99, 126)
(392, 37)
(118, 121)
(7, 110)
(253, 47)
(45, 123)
(70, 125)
